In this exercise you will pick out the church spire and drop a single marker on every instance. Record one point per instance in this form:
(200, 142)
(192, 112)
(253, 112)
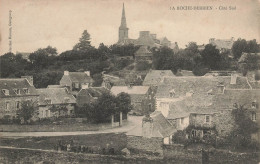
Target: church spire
(123, 18)
(123, 30)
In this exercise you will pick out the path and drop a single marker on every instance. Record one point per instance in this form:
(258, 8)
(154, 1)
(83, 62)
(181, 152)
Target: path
(133, 121)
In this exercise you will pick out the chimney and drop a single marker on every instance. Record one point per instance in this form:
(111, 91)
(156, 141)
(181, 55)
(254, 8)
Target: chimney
(147, 127)
(66, 73)
(233, 79)
(84, 86)
(29, 79)
(87, 72)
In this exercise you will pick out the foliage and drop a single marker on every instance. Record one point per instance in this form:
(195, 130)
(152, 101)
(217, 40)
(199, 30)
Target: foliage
(27, 111)
(84, 42)
(97, 79)
(241, 45)
(123, 50)
(211, 57)
(142, 66)
(105, 106)
(240, 137)
(180, 137)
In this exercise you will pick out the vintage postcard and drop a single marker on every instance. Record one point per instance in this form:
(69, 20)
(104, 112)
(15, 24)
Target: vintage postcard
(130, 81)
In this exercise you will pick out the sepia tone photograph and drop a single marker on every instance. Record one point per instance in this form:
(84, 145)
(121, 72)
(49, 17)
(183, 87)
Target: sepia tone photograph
(130, 81)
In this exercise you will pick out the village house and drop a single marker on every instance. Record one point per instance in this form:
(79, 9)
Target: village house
(223, 45)
(248, 61)
(141, 97)
(154, 126)
(154, 77)
(90, 95)
(55, 102)
(177, 88)
(13, 93)
(110, 80)
(143, 54)
(74, 81)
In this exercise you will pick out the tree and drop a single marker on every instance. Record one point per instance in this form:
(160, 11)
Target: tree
(193, 47)
(84, 42)
(241, 45)
(124, 102)
(244, 127)
(27, 111)
(211, 57)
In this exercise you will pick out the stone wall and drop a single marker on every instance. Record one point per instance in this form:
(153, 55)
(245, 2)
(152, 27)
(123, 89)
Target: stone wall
(12, 104)
(145, 144)
(224, 122)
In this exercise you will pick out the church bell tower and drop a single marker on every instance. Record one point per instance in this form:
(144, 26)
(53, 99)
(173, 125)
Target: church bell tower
(123, 30)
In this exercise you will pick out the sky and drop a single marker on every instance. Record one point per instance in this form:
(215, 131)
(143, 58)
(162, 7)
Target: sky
(36, 24)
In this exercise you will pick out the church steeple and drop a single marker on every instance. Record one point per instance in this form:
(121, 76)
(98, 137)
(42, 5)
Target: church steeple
(123, 30)
(123, 19)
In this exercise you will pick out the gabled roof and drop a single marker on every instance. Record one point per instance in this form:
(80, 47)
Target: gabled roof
(238, 96)
(143, 51)
(56, 95)
(223, 43)
(203, 84)
(55, 86)
(80, 77)
(161, 126)
(16, 83)
(134, 90)
(154, 77)
(93, 91)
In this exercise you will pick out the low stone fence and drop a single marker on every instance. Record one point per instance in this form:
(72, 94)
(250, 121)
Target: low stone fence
(143, 144)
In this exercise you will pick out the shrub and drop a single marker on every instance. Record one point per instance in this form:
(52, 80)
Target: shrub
(142, 65)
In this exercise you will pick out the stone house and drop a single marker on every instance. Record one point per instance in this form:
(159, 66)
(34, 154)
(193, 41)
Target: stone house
(90, 95)
(223, 45)
(155, 128)
(74, 80)
(155, 77)
(142, 98)
(143, 54)
(13, 92)
(56, 102)
(111, 80)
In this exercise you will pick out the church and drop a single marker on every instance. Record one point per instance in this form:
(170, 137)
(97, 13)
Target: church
(145, 38)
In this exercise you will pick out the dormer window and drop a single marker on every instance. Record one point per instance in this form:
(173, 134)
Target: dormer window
(26, 90)
(76, 85)
(17, 91)
(207, 118)
(254, 105)
(5, 91)
(172, 93)
(253, 116)
(47, 100)
(66, 99)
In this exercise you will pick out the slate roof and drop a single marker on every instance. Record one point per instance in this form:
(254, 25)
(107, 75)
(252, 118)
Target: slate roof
(184, 73)
(143, 51)
(161, 126)
(197, 85)
(154, 77)
(239, 96)
(93, 91)
(80, 77)
(223, 43)
(16, 83)
(182, 109)
(55, 86)
(56, 95)
(134, 90)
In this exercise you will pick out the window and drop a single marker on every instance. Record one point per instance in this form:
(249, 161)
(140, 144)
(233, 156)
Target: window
(76, 85)
(26, 90)
(5, 91)
(17, 91)
(253, 104)
(182, 120)
(48, 101)
(253, 116)
(207, 119)
(7, 106)
(172, 93)
(66, 99)
(17, 104)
